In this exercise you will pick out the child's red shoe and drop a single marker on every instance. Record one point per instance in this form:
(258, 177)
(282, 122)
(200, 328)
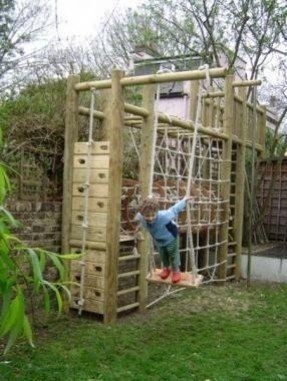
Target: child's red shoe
(176, 276)
(164, 273)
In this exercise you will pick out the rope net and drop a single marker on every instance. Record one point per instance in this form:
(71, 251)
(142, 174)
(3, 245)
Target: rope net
(204, 214)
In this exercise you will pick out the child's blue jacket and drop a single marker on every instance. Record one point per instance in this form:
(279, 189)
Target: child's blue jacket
(163, 229)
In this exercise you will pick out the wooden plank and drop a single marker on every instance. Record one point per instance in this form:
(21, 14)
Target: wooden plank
(114, 134)
(128, 307)
(91, 268)
(130, 273)
(95, 190)
(94, 306)
(93, 234)
(96, 161)
(128, 290)
(90, 281)
(187, 279)
(71, 135)
(97, 148)
(93, 245)
(89, 293)
(96, 256)
(95, 204)
(99, 176)
(95, 220)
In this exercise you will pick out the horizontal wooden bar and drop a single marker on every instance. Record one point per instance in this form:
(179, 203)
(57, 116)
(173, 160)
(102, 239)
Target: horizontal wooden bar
(251, 82)
(154, 78)
(189, 125)
(128, 307)
(86, 111)
(214, 94)
(127, 238)
(139, 111)
(258, 147)
(130, 273)
(128, 290)
(89, 245)
(136, 110)
(129, 257)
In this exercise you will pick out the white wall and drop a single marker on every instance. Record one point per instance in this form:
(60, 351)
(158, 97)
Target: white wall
(266, 268)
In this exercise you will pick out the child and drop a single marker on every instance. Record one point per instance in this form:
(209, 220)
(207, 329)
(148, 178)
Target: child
(160, 224)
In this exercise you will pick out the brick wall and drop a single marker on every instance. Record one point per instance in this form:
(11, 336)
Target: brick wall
(40, 223)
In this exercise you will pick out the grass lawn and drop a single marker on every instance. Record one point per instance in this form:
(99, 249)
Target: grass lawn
(213, 333)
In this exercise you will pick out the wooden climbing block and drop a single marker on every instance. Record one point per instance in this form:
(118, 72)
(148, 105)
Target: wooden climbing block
(95, 204)
(97, 148)
(98, 176)
(187, 279)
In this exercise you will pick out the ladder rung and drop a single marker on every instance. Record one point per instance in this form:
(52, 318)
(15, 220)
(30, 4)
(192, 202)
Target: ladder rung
(231, 255)
(232, 243)
(230, 277)
(127, 238)
(129, 257)
(128, 307)
(124, 275)
(231, 266)
(128, 290)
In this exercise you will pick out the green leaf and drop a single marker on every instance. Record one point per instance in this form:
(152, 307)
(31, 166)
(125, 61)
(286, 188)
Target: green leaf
(9, 217)
(67, 291)
(38, 277)
(71, 256)
(14, 315)
(43, 260)
(57, 293)
(28, 331)
(58, 264)
(14, 333)
(47, 304)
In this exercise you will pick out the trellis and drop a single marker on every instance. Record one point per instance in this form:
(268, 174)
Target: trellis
(114, 266)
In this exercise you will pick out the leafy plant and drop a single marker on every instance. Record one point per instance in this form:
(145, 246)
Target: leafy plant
(22, 275)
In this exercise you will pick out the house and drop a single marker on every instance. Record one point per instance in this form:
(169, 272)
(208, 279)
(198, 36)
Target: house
(174, 96)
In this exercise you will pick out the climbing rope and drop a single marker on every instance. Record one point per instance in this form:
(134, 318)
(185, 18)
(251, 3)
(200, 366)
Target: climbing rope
(85, 223)
(191, 168)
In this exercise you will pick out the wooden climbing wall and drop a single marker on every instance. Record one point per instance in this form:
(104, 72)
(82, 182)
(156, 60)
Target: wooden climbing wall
(89, 207)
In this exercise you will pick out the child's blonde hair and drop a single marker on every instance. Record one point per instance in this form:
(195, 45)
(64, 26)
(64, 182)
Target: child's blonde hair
(149, 205)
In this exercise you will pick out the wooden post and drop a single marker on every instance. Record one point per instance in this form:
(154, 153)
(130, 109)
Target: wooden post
(194, 86)
(114, 133)
(71, 136)
(105, 96)
(225, 174)
(239, 185)
(144, 180)
(262, 131)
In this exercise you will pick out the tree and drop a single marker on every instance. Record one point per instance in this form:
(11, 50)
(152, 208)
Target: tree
(21, 22)
(253, 30)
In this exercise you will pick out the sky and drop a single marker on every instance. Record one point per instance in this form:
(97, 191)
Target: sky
(82, 18)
